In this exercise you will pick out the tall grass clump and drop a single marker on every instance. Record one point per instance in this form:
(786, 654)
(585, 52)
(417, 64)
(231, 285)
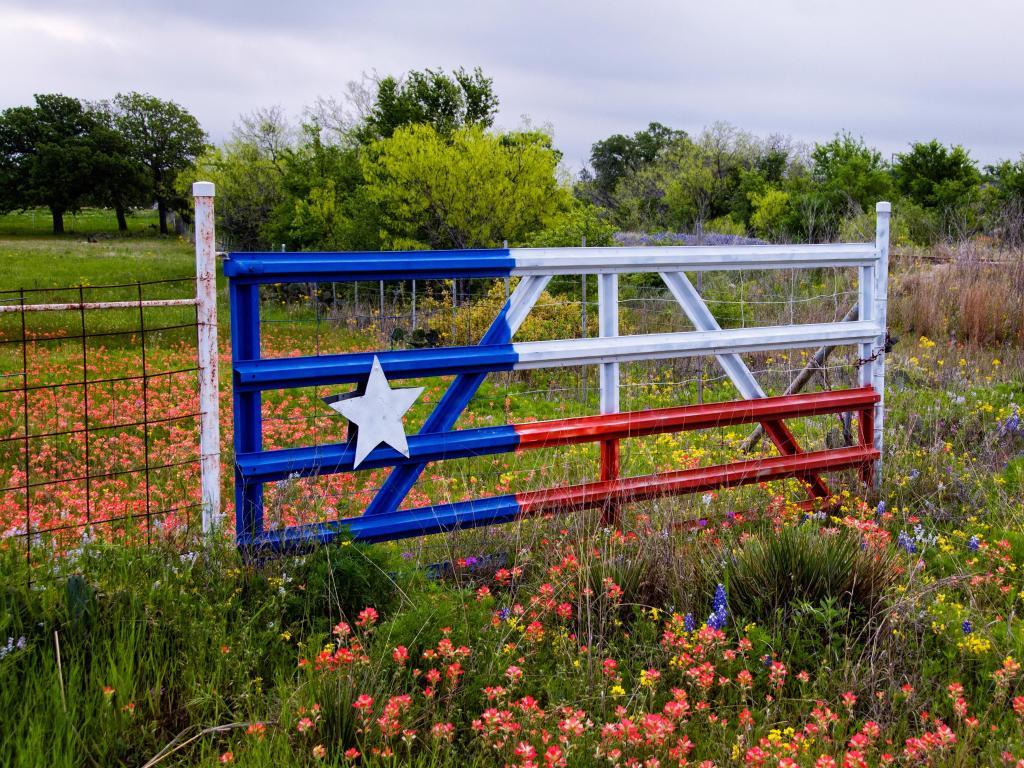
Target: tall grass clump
(774, 572)
(976, 301)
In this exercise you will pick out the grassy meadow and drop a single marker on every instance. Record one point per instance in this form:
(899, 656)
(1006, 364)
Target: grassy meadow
(727, 629)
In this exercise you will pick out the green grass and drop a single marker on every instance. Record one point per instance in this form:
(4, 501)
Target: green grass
(57, 262)
(88, 221)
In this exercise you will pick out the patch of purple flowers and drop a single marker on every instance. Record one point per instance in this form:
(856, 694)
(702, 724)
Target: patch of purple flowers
(719, 609)
(1012, 427)
(904, 541)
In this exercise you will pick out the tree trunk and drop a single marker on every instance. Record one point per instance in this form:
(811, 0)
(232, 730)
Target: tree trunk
(161, 206)
(58, 220)
(122, 221)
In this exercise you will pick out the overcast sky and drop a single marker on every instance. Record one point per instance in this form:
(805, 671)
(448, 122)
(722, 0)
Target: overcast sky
(891, 70)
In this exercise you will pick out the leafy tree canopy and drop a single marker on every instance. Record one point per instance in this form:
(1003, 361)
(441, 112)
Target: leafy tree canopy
(164, 137)
(53, 154)
(618, 155)
(935, 176)
(472, 190)
(850, 174)
(444, 101)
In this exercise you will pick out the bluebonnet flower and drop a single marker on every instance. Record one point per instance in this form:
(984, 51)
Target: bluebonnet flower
(12, 646)
(767, 660)
(504, 613)
(922, 536)
(880, 509)
(903, 541)
(688, 623)
(973, 543)
(719, 608)
(967, 627)
(1012, 425)
(914, 474)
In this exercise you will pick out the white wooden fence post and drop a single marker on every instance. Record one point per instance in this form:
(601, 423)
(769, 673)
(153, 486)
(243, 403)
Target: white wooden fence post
(206, 312)
(881, 296)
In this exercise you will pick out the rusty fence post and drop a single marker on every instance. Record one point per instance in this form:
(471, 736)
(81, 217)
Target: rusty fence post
(206, 317)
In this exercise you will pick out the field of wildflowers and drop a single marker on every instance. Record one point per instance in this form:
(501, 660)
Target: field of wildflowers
(731, 629)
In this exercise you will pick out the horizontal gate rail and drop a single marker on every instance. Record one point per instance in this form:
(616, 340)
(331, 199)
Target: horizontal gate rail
(293, 372)
(284, 463)
(83, 305)
(440, 518)
(302, 266)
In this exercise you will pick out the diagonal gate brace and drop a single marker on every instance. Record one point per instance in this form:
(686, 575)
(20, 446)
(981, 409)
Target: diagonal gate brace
(697, 311)
(455, 399)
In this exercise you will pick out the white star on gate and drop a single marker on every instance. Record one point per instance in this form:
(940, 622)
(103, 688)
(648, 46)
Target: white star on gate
(376, 413)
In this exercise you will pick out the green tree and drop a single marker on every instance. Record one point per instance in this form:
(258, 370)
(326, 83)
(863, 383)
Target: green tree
(472, 190)
(445, 101)
(249, 172)
(935, 176)
(1004, 200)
(579, 223)
(772, 213)
(164, 137)
(619, 155)
(850, 178)
(122, 182)
(48, 156)
(695, 190)
(326, 203)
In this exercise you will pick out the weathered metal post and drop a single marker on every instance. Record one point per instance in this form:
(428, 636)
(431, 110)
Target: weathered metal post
(883, 211)
(206, 316)
(608, 326)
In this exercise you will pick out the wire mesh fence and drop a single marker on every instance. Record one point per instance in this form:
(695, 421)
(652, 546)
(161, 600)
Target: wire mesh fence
(98, 414)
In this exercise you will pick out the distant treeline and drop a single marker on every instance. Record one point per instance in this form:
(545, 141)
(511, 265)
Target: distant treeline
(413, 162)
(729, 181)
(63, 153)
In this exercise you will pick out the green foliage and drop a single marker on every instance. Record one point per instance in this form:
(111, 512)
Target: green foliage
(1003, 198)
(472, 190)
(50, 155)
(162, 136)
(619, 155)
(326, 203)
(431, 97)
(579, 221)
(249, 189)
(330, 584)
(774, 571)
(704, 175)
(934, 176)
(771, 213)
(851, 176)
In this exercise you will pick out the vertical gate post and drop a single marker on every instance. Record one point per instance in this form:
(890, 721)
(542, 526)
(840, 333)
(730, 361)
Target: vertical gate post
(206, 315)
(883, 211)
(608, 325)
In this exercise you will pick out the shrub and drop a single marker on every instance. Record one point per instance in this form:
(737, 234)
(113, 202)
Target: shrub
(776, 570)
